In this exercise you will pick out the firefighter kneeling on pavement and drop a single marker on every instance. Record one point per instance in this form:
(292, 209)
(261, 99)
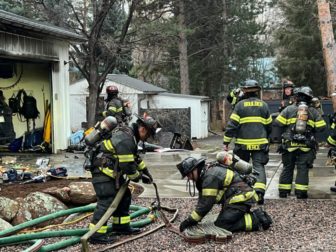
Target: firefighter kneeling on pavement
(217, 184)
(118, 160)
(300, 122)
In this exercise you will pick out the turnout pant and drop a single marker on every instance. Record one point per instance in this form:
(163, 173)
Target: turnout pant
(106, 191)
(302, 160)
(259, 160)
(237, 218)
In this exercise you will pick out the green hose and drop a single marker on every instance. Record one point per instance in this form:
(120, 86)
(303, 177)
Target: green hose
(72, 232)
(88, 208)
(75, 240)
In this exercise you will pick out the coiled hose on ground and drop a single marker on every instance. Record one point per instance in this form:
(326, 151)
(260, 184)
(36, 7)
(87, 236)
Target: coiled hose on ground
(75, 233)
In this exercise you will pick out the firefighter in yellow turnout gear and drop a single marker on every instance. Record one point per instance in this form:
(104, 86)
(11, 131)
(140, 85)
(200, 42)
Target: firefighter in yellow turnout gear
(117, 161)
(217, 184)
(300, 122)
(250, 123)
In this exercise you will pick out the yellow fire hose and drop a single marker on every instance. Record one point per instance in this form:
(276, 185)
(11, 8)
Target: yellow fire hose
(105, 217)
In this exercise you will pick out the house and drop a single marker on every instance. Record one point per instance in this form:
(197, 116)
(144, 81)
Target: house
(34, 56)
(187, 114)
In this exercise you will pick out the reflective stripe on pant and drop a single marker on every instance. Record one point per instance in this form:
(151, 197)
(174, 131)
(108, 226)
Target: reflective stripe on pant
(259, 160)
(237, 218)
(106, 192)
(302, 160)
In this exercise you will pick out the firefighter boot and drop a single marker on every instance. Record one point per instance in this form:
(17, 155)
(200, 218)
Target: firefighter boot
(264, 219)
(125, 230)
(301, 195)
(97, 238)
(333, 188)
(283, 194)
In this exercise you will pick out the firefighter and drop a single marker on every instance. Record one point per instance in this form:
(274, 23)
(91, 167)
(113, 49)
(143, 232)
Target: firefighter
(217, 184)
(331, 140)
(251, 124)
(115, 106)
(287, 94)
(118, 160)
(300, 122)
(234, 96)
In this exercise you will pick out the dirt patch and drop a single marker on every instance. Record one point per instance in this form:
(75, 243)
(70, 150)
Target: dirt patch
(16, 190)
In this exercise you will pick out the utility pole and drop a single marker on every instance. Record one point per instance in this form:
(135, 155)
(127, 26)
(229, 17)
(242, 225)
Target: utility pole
(328, 45)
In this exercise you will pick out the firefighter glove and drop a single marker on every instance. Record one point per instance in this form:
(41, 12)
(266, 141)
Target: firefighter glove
(187, 223)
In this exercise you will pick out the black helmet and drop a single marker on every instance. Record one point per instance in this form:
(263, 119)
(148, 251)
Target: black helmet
(250, 86)
(307, 91)
(112, 89)
(287, 84)
(189, 164)
(150, 123)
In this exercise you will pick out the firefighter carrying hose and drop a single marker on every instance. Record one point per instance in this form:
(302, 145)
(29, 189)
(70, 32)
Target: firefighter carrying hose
(116, 161)
(300, 122)
(217, 184)
(115, 106)
(250, 123)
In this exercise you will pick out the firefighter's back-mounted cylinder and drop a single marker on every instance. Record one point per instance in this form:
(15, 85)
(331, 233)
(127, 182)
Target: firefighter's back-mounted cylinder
(101, 129)
(234, 162)
(302, 118)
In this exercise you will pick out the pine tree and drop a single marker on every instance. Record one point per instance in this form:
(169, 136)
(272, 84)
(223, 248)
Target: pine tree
(298, 43)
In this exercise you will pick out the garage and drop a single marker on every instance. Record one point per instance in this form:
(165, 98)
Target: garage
(34, 63)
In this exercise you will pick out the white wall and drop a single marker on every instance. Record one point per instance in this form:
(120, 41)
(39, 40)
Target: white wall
(60, 93)
(79, 92)
(199, 116)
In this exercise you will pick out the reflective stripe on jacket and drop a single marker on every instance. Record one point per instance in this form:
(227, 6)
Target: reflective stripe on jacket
(250, 123)
(287, 119)
(219, 185)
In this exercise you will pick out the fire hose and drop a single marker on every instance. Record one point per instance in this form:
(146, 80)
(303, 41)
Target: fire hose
(105, 217)
(156, 206)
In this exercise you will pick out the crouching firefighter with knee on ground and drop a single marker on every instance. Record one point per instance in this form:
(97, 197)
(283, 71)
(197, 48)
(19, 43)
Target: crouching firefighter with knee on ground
(217, 184)
(300, 123)
(117, 161)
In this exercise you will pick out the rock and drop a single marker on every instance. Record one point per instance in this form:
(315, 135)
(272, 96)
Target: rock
(8, 208)
(4, 225)
(39, 204)
(82, 193)
(22, 216)
(60, 193)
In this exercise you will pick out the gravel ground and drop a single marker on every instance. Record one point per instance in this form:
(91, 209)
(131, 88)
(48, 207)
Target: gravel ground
(299, 225)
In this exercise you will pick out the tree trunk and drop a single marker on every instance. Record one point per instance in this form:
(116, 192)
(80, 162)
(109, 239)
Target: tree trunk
(329, 50)
(183, 51)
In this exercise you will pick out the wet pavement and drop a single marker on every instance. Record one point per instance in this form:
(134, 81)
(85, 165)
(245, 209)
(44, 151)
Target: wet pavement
(163, 168)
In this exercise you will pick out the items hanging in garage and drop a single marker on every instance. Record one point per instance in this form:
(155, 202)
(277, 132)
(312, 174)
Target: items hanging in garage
(24, 104)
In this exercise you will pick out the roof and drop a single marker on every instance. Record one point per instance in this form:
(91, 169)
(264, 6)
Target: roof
(33, 25)
(135, 83)
(202, 98)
